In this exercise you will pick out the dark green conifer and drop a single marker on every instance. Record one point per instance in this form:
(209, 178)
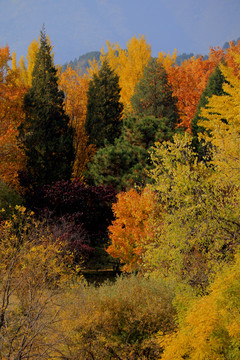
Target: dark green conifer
(153, 96)
(45, 134)
(127, 161)
(104, 109)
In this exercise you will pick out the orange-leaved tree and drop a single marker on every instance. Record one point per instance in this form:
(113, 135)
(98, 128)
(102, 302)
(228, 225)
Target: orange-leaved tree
(132, 228)
(188, 81)
(11, 114)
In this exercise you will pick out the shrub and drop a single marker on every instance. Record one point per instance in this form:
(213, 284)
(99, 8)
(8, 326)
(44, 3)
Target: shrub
(118, 320)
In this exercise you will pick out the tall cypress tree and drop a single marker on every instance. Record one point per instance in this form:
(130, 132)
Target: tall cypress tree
(104, 109)
(45, 134)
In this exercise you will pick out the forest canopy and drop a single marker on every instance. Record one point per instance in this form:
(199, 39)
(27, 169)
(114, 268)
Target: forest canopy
(131, 168)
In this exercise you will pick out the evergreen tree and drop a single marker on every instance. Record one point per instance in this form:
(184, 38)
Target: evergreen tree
(153, 95)
(214, 87)
(127, 161)
(104, 109)
(45, 134)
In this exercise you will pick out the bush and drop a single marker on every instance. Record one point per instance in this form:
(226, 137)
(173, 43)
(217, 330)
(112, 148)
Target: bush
(118, 320)
(34, 271)
(8, 200)
(80, 214)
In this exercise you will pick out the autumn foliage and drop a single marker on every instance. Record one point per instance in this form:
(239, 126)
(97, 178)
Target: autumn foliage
(75, 88)
(188, 81)
(128, 64)
(180, 232)
(132, 228)
(11, 97)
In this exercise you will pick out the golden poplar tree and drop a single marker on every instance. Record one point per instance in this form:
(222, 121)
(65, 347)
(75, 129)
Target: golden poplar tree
(75, 88)
(128, 64)
(223, 123)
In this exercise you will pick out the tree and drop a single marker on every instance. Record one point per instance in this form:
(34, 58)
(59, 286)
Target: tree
(221, 120)
(127, 161)
(131, 230)
(210, 327)
(188, 82)
(120, 165)
(75, 89)
(45, 135)
(214, 87)
(34, 269)
(25, 71)
(104, 110)
(153, 95)
(128, 64)
(201, 227)
(12, 158)
(80, 214)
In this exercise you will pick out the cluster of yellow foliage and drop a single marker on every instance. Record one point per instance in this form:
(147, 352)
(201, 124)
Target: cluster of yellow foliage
(211, 327)
(25, 71)
(223, 123)
(128, 64)
(34, 269)
(75, 88)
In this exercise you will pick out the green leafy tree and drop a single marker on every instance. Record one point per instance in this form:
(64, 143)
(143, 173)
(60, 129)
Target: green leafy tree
(153, 95)
(126, 162)
(45, 135)
(214, 87)
(104, 110)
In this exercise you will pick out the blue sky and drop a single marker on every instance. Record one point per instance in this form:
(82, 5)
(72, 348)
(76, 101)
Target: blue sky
(79, 26)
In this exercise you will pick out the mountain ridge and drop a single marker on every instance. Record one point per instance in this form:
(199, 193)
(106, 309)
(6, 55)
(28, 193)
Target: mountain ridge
(82, 62)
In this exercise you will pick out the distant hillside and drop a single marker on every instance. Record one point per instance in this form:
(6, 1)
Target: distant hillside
(226, 45)
(182, 57)
(82, 62)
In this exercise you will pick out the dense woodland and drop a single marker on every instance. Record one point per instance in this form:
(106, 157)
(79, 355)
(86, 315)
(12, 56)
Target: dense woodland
(132, 166)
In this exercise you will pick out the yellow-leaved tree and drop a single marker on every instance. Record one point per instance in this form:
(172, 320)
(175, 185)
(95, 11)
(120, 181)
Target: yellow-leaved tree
(128, 64)
(210, 329)
(75, 88)
(167, 60)
(201, 226)
(25, 68)
(223, 124)
(34, 269)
